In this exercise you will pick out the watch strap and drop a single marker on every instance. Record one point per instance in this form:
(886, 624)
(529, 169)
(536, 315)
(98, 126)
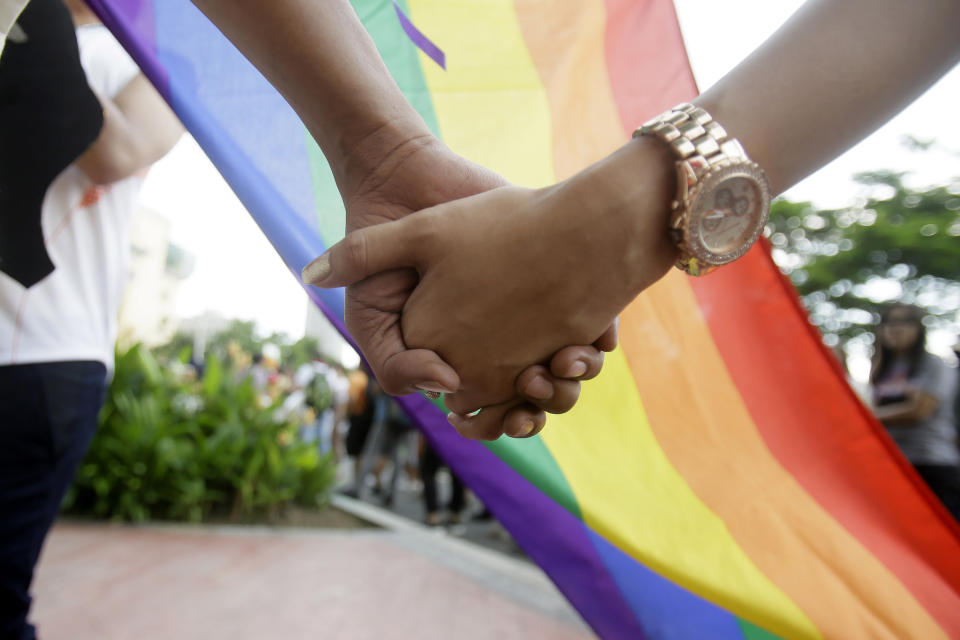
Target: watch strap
(694, 137)
(699, 144)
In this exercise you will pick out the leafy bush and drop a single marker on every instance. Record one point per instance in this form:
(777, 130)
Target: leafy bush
(172, 447)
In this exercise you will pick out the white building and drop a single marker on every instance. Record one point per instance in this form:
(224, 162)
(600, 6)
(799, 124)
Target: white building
(148, 311)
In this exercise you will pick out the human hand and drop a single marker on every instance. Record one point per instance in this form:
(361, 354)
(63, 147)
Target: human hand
(509, 276)
(925, 403)
(384, 180)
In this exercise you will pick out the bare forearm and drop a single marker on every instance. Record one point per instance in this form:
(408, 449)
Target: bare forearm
(918, 406)
(318, 55)
(835, 72)
(138, 129)
(899, 414)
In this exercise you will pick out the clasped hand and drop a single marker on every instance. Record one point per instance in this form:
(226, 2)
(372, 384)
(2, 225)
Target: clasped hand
(451, 299)
(480, 297)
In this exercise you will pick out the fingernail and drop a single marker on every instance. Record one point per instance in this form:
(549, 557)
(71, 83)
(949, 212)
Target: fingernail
(525, 428)
(577, 369)
(539, 388)
(316, 271)
(433, 395)
(433, 387)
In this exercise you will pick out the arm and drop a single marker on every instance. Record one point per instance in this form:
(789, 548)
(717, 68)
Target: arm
(138, 129)
(835, 72)
(936, 383)
(832, 74)
(386, 163)
(320, 58)
(919, 405)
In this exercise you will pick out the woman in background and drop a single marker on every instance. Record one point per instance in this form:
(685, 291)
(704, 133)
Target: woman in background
(914, 395)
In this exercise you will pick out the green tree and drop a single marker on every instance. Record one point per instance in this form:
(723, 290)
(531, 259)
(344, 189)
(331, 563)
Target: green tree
(898, 243)
(180, 347)
(304, 350)
(243, 332)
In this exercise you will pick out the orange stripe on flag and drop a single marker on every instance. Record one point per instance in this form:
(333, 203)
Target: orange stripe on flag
(702, 423)
(822, 434)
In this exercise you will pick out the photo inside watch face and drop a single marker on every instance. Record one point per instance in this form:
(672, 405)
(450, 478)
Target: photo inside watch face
(727, 218)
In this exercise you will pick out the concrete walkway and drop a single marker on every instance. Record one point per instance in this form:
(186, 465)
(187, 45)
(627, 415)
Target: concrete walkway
(108, 582)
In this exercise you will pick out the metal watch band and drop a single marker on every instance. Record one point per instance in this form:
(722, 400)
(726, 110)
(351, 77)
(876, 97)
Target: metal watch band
(694, 137)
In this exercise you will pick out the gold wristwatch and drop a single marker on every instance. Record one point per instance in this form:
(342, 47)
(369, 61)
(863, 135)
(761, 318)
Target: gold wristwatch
(723, 197)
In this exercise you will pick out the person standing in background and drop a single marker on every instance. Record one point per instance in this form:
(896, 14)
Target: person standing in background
(57, 334)
(914, 396)
(430, 464)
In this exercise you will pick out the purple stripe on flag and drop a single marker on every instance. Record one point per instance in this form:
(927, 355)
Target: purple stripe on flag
(566, 553)
(422, 41)
(132, 24)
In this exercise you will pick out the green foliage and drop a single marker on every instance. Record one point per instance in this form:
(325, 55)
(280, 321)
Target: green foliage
(319, 396)
(299, 353)
(905, 240)
(181, 343)
(242, 335)
(241, 332)
(172, 447)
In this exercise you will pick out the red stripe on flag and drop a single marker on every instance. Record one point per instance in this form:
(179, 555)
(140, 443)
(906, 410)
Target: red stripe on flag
(817, 428)
(648, 66)
(814, 425)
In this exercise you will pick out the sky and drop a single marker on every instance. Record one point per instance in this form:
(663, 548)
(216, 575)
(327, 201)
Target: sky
(238, 273)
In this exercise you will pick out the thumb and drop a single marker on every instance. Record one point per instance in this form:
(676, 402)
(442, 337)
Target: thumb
(363, 253)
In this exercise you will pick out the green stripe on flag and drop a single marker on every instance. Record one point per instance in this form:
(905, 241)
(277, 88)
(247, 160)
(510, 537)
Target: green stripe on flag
(403, 62)
(530, 458)
(753, 632)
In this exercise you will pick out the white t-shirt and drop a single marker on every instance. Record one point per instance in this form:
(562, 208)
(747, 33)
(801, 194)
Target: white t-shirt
(72, 313)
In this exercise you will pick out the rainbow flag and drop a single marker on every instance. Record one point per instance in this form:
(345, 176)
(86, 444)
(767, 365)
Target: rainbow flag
(720, 480)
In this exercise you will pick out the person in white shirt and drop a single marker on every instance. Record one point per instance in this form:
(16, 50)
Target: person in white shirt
(57, 335)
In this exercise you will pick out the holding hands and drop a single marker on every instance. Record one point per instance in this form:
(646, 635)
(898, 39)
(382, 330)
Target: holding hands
(480, 297)
(386, 178)
(471, 296)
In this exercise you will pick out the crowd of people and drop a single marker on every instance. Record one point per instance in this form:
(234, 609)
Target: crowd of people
(914, 394)
(346, 413)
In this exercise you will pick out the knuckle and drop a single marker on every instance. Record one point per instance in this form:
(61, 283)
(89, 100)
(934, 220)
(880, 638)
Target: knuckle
(427, 234)
(355, 247)
(392, 386)
(484, 426)
(567, 398)
(489, 432)
(458, 404)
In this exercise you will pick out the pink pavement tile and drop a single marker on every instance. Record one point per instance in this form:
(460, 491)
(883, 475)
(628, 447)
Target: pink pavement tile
(108, 582)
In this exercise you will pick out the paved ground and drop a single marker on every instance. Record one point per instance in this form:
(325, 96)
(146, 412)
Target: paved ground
(108, 582)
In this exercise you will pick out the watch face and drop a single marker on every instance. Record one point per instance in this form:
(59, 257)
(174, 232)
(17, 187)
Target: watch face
(728, 215)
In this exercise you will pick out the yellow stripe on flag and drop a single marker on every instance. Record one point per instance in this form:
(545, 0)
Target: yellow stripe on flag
(490, 104)
(630, 493)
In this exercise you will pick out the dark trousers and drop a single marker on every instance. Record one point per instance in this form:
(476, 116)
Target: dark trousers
(944, 480)
(430, 463)
(48, 415)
